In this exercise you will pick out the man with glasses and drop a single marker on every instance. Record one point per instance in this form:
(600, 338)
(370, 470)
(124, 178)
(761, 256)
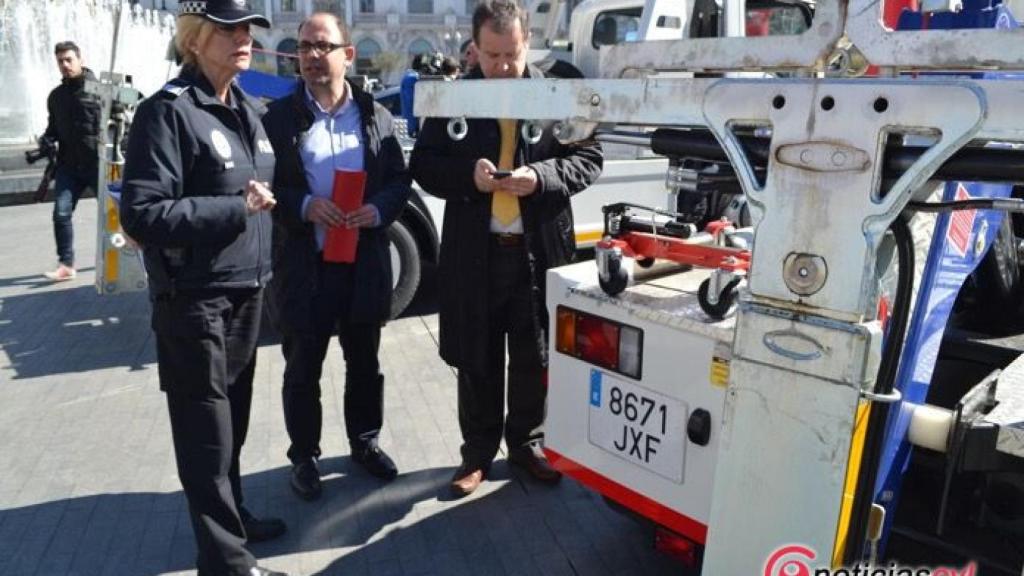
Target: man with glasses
(327, 125)
(507, 220)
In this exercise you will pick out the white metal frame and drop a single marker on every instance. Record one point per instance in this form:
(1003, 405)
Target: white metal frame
(932, 49)
(806, 349)
(807, 50)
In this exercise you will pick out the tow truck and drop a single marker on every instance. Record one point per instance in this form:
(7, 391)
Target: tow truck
(850, 413)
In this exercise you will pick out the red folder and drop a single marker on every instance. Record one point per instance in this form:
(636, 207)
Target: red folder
(340, 244)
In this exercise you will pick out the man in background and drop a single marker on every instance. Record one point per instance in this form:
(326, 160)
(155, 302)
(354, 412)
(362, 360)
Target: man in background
(469, 56)
(73, 126)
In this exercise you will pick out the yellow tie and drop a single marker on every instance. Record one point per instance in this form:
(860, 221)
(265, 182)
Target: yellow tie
(505, 206)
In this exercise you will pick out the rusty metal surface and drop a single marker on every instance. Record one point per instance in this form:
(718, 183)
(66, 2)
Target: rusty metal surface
(932, 49)
(833, 215)
(652, 101)
(807, 50)
(799, 189)
(673, 101)
(974, 49)
(960, 110)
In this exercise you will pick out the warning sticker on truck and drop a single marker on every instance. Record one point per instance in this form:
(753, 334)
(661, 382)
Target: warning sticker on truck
(720, 365)
(961, 224)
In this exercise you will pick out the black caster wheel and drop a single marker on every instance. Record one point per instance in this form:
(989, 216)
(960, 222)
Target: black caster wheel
(726, 300)
(617, 278)
(997, 279)
(645, 262)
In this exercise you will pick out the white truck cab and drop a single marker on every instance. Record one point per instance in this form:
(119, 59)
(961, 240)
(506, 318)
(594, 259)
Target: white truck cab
(597, 23)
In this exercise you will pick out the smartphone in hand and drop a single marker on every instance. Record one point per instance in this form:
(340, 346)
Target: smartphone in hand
(499, 174)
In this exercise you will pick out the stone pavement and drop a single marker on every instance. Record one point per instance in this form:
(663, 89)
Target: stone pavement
(87, 478)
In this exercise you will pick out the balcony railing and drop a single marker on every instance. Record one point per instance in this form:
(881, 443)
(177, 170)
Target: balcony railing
(369, 18)
(437, 19)
(287, 18)
(404, 19)
(332, 6)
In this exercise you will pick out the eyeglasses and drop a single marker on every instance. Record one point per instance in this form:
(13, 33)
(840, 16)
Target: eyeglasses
(232, 28)
(322, 48)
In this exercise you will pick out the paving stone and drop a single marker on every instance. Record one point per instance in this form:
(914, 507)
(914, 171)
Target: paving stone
(90, 485)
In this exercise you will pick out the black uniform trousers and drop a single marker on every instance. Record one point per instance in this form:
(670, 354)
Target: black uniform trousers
(481, 396)
(304, 358)
(206, 350)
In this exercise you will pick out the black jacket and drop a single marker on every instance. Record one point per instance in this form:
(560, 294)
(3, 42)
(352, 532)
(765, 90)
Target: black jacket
(296, 256)
(189, 160)
(444, 168)
(74, 123)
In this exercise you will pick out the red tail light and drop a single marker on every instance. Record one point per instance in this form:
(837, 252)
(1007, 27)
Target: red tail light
(679, 547)
(599, 341)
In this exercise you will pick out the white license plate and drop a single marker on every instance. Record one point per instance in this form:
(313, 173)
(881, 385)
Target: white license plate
(638, 425)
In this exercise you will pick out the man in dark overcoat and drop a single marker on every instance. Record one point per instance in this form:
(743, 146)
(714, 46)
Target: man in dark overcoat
(507, 220)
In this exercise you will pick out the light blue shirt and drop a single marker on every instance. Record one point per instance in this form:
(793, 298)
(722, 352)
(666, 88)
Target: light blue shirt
(333, 142)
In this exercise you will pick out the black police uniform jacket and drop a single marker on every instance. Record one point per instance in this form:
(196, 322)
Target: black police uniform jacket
(296, 257)
(188, 163)
(74, 122)
(444, 168)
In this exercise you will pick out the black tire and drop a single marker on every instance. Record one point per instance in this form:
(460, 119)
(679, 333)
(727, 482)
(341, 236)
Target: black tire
(726, 300)
(998, 275)
(617, 278)
(405, 267)
(645, 262)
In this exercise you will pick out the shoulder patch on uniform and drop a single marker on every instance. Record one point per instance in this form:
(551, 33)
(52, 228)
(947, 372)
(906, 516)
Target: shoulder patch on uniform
(175, 87)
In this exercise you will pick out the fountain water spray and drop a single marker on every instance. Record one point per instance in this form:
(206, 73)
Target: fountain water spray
(30, 28)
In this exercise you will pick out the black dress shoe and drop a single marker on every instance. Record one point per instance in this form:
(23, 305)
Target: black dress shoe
(467, 479)
(261, 529)
(305, 480)
(375, 461)
(261, 571)
(533, 461)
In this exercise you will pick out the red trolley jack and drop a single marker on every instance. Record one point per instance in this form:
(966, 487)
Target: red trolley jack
(649, 234)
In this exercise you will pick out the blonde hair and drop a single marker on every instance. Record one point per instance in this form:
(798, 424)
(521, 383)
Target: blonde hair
(192, 30)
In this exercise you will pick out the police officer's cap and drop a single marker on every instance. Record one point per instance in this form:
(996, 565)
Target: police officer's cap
(223, 11)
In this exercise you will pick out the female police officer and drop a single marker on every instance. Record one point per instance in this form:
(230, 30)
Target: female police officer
(194, 195)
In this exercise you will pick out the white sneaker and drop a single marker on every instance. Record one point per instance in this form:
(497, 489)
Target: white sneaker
(62, 274)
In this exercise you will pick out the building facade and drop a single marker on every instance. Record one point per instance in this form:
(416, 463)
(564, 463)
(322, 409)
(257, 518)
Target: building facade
(387, 34)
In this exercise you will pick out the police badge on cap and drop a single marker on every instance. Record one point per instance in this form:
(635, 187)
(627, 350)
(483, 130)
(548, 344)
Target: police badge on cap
(223, 11)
